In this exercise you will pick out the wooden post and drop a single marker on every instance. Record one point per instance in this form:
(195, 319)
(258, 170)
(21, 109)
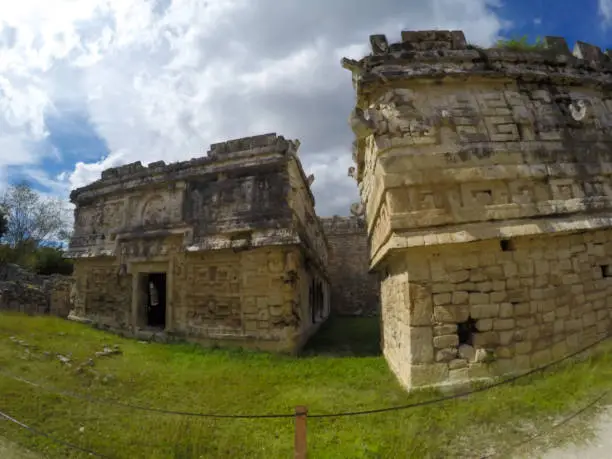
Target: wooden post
(300, 432)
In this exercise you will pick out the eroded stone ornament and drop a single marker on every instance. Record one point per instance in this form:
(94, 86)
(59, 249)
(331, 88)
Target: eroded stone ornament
(578, 110)
(357, 209)
(352, 172)
(361, 125)
(310, 179)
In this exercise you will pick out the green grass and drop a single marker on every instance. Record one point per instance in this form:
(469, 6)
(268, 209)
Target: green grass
(186, 377)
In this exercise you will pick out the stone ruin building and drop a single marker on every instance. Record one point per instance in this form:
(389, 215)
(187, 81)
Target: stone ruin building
(486, 180)
(485, 216)
(224, 248)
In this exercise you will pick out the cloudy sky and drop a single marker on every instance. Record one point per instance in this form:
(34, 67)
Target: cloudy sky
(90, 84)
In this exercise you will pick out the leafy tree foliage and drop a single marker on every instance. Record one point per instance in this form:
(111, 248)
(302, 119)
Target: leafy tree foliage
(33, 230)
(31, 218)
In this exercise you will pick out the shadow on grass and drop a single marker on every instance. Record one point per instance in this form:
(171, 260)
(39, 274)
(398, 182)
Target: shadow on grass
(346, 336)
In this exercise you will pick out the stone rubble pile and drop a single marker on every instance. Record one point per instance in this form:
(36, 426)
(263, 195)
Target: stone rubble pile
(24, 291)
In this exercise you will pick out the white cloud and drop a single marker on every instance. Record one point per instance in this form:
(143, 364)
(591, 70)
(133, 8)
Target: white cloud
(605, 11)
(164, 79)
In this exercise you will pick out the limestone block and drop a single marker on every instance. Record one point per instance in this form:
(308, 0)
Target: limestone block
(442, 287)
(589, 319)
(421, 304)
(541, 357)
(421, 344)
(503, 366)
(467, 352)
(428, 374)
(484, 325)
(446, 355)
(479, 370)
(603, 326)
(451, 314)
(446, 329)
(522, 309)
(573, 325)
(457, 277)
(484, 311)
(477, 275)
(480, 299)
(445, 341)
(442, 299)
(559, 327)
(485, 287)
(563, 311)
(506, 310)
(460, 297)
(486, 339)
(510, 269)
(549, 317)
(522, 362)
(457, 363)
(559, 350)
(507, 336)
(519, 335)
(458, 374)
(504, 352)
(523, 347)
(498, 297)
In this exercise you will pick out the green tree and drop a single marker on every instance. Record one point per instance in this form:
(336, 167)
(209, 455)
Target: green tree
(32, 219)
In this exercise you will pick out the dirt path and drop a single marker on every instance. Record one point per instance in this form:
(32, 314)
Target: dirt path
(9, 450)
(599, 447)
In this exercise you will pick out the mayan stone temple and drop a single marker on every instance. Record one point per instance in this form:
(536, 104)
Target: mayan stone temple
(485, 177)
(223, 248)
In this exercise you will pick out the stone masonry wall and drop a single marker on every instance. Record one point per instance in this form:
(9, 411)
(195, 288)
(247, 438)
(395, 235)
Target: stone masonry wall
(354, 291)
(243, 297)
(497, 308)
(254, 298)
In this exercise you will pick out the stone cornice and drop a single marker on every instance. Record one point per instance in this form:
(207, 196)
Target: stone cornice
(227, 156)
(491, 230)
(446, 54)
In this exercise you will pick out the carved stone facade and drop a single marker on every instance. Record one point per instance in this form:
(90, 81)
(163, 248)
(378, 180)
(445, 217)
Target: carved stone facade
(486, 177)
(225, 248)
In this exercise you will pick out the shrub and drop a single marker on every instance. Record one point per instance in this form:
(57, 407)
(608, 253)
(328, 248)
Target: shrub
(521, 44)
(41, 260)
(49, 260)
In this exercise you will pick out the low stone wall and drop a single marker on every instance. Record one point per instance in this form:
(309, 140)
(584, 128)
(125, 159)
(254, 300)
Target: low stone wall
(24, 291)
(354, 292)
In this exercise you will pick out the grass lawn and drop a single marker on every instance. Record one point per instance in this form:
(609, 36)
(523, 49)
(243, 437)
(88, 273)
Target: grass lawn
(341, 370)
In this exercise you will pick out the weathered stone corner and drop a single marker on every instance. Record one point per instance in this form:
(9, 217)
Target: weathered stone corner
(486, 180)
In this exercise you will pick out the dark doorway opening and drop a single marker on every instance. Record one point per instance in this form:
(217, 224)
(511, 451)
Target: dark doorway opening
(466, 331)
(156, 300)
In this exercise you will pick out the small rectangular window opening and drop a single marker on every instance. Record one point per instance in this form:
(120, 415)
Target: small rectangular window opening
(606, 271)
(506, 245)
